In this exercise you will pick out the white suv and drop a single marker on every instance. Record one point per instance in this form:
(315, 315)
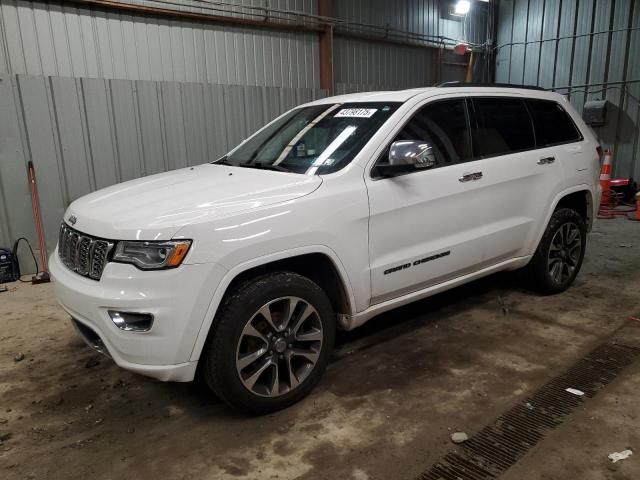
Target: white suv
(242, 269)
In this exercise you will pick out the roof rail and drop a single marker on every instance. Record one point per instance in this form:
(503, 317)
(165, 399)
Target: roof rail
(500, 85)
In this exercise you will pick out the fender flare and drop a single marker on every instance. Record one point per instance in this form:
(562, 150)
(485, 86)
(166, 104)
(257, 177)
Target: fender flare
(231, 274)
(556, 200)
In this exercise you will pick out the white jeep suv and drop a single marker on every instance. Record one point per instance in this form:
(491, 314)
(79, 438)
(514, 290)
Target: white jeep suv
(340, 209)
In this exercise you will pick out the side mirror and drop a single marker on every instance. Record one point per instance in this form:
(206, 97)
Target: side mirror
(407, 156)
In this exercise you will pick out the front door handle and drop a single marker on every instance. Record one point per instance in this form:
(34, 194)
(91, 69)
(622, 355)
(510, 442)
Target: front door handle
(467, 177)
(546, 160)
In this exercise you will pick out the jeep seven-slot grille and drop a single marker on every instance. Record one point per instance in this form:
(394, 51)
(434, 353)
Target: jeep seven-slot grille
(85, 255)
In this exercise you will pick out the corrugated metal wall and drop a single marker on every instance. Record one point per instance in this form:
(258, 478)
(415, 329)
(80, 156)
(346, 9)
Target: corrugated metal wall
(51, 39)
(416, 16)
(585, 67)
(84, 134)
(360, 65)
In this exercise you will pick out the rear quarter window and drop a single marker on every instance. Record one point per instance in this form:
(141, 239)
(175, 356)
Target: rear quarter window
(552, 124)
(503, 126)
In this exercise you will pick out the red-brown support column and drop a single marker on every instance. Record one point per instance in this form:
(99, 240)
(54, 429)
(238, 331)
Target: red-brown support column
(325, 8)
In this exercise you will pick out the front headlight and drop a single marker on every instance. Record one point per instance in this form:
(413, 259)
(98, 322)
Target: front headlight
(152, 255)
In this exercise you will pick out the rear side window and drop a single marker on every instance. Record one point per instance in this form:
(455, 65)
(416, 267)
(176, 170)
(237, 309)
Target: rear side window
(503, 126)
(552, 123)
(442, 124)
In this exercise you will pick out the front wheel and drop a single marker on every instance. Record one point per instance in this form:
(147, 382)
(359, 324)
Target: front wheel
(560, 253)
(270, 343)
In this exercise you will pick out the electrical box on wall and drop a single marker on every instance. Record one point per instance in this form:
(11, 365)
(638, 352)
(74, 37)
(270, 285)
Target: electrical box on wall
(595, 113)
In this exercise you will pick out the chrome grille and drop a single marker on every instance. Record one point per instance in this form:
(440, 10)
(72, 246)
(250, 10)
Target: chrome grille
(85, 255)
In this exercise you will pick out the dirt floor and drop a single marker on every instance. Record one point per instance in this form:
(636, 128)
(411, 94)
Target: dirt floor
(396, 390)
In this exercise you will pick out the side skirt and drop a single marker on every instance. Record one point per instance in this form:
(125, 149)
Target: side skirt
(349, 322)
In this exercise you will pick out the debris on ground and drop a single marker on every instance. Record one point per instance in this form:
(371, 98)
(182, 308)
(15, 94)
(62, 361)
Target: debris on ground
(18, 357)
(625, 245)
(92, 362)
(529, 406)
(617, 456)
(503, 306)
(88, 407)
(574, 391)
(459, 437)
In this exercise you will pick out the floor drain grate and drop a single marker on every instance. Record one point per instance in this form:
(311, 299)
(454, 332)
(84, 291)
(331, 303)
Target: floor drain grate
(497, 447)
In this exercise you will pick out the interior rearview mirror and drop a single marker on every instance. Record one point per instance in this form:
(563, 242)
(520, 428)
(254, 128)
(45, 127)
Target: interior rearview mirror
(407, 156)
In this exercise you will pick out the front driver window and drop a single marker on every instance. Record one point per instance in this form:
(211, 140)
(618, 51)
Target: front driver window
(443, 125)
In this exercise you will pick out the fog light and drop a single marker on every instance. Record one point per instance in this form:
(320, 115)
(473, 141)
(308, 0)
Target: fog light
(132, 322)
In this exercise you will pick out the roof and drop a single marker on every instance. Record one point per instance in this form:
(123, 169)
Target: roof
(404, 95)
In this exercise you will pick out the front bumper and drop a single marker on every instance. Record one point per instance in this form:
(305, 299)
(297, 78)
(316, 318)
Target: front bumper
(178, 299)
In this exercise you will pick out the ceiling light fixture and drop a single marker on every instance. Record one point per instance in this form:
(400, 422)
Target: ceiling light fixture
(462, 7)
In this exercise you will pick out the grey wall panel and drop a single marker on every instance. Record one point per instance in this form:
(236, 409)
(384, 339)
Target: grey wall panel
(236, 122)
(15, 200)
(599, 60)
(85, 134)
(174, 124)
(70, 134)
(195, 126)
(505, 35)
(548, 50)
(151, 132)
(102, 141)
(43, 149)
(216, 112)
(125, 113)
(383, 67)
(532, 50)
(39, 38)
(519, 34)
(582, 49)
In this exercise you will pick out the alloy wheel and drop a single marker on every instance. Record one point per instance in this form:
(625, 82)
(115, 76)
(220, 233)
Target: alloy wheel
(279, 346)
(564, 252)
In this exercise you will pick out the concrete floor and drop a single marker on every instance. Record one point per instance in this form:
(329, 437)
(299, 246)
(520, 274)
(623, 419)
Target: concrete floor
(385, 409)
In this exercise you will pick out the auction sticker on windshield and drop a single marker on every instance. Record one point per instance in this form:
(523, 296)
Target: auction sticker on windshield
(356, 112)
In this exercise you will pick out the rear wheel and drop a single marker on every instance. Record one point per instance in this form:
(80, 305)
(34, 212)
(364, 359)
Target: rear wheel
(270, 343)
(560, 253)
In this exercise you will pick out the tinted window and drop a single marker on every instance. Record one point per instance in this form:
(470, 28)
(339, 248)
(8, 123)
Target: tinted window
(503, 126)
(552, 123)
(443, 125)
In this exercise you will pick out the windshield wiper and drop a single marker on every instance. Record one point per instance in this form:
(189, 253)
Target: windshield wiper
(221, 161)
(264, 166)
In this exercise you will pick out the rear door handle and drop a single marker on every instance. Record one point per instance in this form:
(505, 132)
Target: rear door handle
(546, 160)
(467, 177)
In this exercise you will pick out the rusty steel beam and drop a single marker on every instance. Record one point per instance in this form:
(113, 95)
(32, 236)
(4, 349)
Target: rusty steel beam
(325, 9)
(200, 17)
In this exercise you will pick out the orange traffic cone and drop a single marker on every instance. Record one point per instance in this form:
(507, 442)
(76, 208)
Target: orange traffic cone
(605, 179)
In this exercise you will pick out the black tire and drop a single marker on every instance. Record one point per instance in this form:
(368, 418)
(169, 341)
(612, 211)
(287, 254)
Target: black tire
(538, 273)
(219, 367)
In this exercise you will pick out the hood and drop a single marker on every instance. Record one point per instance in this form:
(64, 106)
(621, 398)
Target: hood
(156, 207)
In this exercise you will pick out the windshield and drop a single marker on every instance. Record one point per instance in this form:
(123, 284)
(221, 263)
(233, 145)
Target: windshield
(312, 140)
